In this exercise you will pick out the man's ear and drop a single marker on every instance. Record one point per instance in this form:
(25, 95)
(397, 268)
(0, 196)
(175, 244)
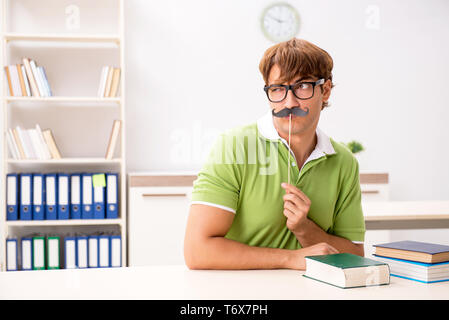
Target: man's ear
(327, 87)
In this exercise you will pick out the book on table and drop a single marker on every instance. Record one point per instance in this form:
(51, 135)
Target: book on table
(345, 270)
(414, 260)
(418, 271)
(413, 251)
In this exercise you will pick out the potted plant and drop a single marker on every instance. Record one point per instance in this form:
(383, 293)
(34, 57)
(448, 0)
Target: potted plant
(354, 146)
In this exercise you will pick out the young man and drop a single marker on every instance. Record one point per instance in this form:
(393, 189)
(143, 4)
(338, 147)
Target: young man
(244, 214)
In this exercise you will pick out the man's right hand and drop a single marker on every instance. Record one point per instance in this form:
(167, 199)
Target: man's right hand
(297, 260)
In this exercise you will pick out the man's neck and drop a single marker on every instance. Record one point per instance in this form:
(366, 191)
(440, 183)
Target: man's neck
(302, 145)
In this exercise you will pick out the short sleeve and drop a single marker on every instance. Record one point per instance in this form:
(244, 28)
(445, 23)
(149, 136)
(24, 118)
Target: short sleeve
(219, 180)
(349, 222)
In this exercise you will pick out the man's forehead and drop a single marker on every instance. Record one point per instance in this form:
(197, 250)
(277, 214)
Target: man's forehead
(295, 79)
(274, 76)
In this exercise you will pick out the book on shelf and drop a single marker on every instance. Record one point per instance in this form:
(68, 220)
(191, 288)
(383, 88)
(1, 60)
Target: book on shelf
(109, 82)
(113, 138)
(17, 143)
(345, 270)
(28, 144)
(51, 143)
(27, 80)
(417, 271)
(414, 251)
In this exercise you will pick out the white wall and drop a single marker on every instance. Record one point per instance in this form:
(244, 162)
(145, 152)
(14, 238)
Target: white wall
(193, 71)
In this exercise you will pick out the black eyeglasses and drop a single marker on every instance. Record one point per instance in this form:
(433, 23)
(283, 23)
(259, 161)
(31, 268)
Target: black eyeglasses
(301, 90)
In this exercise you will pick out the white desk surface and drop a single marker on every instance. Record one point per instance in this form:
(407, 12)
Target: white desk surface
(391, 210)
(179, 283)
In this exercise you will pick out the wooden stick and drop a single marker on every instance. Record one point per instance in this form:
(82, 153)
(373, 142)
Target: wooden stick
(289, 135)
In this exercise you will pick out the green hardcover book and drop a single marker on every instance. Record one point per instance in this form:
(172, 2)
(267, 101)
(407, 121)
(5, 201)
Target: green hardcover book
(39, 253)
(53, 258)
(346, 270)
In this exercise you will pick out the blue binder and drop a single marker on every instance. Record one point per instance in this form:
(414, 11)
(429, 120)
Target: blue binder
(11, 255)
(63, 196)
(27, 253)
(12, 199)
(75, 196)
(115, 251)
(112, 195)
(82, 245)
(93, 252)
(99, 199)
(51, 194)
(70, 253)
(104, 250)
(26, 196)
(38, 196)
(87, 197)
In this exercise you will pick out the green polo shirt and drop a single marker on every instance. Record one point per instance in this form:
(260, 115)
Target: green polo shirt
(244, 172)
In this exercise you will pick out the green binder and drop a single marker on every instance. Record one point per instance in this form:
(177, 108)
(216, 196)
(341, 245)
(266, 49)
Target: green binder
(39, 253)
(53, 249)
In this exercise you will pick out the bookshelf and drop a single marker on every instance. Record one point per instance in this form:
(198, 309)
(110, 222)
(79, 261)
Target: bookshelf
(96, 38)
(74, 107)
(117, 101)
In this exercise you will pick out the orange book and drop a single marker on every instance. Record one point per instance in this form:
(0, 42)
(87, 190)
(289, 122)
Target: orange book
(113, 139)
(22, 81)
(51, 143)
(115, 83)
(107, 88)
(11, 92)
(19, 144)
(32, 80)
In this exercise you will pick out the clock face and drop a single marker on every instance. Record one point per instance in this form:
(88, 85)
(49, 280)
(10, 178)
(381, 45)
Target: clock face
(280, 22)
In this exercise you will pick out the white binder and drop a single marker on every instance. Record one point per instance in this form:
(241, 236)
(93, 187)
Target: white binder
(93, 252)
(87, 197)
(70, 252)
(75, 196)
(27, 254)
(103, 250)
(83, 252)
(11, 254)
(116, 251)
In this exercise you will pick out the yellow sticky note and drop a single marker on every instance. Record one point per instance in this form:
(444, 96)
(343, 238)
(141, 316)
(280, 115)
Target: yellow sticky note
(99, 180)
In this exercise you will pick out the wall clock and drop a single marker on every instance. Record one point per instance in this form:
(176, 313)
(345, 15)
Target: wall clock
(280, 22)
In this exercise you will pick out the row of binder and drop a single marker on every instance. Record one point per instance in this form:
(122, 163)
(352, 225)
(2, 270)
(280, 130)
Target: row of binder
(46, 253)
(54, 196)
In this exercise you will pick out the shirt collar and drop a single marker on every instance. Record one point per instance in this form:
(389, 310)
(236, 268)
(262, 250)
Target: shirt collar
(267, 130)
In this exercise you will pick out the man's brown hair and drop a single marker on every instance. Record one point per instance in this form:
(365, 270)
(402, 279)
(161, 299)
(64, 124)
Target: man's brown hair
(297, 57)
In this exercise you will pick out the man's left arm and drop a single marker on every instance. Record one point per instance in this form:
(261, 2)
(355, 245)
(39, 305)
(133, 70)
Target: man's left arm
(296, 208)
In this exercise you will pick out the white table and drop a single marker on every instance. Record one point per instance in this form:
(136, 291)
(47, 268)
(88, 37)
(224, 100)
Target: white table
(179, 283)
(406, 214)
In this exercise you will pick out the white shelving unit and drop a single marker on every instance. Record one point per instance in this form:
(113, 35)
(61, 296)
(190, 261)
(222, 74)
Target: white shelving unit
(64, 99)
(81, 104)
(63, 37)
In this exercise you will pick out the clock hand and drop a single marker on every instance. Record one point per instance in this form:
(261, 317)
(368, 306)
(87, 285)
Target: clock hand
(270, 16)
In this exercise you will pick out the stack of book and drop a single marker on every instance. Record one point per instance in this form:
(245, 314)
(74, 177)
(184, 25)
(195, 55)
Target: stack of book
(419, 261)
(27, 80)
(25, 144)
(109, 82)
